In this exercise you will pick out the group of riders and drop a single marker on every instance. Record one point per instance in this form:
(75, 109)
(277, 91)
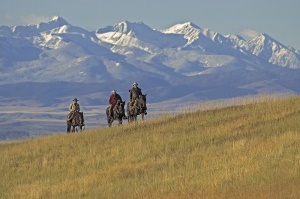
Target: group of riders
(114, 99)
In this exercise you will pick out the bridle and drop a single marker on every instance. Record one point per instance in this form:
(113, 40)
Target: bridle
(118, 108)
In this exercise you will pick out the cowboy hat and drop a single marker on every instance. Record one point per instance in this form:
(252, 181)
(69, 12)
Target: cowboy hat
(75, 99)
(135, 83)
(114, 91)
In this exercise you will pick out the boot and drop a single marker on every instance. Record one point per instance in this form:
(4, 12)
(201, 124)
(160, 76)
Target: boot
(110, 111)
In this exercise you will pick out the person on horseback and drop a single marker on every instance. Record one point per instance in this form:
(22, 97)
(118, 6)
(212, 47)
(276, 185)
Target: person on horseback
(113, 100)
(73, 108)
(135, 92)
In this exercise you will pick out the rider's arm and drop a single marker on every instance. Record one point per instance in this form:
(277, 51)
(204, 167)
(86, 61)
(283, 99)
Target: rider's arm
(70, 107)
(130, 96)
(110, 100)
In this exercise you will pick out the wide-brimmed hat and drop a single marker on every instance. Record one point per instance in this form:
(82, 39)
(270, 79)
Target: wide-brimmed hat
(135, 83)
(75, 99)
(114, 91)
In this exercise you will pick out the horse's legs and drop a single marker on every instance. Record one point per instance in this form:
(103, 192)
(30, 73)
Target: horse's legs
(143, 114)
(120, 121)
(109, 121)
(68, 128)
(130, 118)
(73, 129)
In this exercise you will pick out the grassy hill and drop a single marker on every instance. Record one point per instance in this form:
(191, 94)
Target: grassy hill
(245, 151)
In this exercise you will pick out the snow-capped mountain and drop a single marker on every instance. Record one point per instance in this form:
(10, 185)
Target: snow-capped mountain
(48, 64)
(276, 53)
(138, 35)
(32, 30)
(57, 51)
(198, 38)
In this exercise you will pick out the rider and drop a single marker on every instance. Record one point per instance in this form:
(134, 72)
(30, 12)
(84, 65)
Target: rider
(113, 100)
(135, 92)
(74, 108)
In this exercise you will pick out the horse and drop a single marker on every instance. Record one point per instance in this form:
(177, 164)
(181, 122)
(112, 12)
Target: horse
(77, 120)
(117, 113)
(136, 108)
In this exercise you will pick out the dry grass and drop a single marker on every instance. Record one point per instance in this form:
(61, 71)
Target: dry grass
(245, 151)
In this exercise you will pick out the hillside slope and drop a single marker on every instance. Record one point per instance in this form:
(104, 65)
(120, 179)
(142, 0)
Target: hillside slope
(247, 151)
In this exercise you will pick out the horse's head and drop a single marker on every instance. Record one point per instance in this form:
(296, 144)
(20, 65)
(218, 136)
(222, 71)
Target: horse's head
(78, 119)
(142, 101)
(119, 109)
(144, 98)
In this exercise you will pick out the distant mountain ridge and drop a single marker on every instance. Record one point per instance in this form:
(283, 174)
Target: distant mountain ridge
(93, 54)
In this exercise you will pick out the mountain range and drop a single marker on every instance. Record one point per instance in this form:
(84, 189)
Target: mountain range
(48, 64)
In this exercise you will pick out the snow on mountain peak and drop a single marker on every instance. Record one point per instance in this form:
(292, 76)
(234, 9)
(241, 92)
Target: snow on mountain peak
(193, 33)
(58, 21)
(188, 29)
(34, 30)
(183, 28)
(126, 27)
(272, 50)
(138, 35)
(55, 18)
(55, 22)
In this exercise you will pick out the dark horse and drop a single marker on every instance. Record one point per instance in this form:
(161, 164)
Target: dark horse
(117, 113)
(137, 108)
(77, 120)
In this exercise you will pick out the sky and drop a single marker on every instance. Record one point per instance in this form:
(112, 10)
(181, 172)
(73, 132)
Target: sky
(277, 18)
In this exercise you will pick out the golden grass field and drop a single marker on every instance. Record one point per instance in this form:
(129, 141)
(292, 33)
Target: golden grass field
(241, 151)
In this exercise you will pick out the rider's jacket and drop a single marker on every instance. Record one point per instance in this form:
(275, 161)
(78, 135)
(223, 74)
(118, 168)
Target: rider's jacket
(134, 93)
(114, 99)
(74, 107)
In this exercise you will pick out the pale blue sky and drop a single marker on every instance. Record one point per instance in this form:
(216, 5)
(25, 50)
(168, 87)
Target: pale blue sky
(278, 18)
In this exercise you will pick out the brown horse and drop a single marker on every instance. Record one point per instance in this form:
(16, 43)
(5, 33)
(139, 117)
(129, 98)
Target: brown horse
(137, 108)
(77, 120)
(117, 113)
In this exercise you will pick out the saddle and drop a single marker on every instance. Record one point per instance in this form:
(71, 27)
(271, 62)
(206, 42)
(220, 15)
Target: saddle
(76, 118)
